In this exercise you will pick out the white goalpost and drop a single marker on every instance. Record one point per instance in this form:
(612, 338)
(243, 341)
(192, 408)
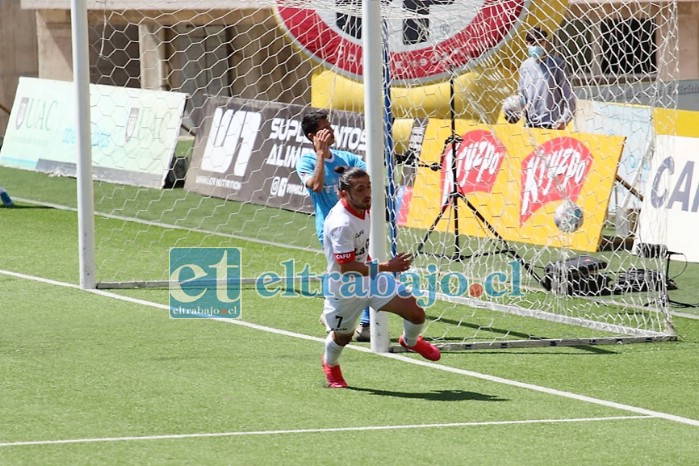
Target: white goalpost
(86, 210)
(188, 121)
(373, 92)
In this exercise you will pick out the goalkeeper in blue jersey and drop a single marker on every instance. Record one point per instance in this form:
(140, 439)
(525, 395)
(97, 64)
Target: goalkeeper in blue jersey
(317, 172)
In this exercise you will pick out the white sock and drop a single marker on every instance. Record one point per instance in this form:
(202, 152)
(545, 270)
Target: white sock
(332, 351)
(410, 332)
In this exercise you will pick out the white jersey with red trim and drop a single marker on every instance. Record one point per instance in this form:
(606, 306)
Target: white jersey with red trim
(345, 236)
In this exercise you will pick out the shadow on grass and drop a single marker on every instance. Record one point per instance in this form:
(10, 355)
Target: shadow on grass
(499, 331)
(23, 206)
(532, 352)
(436, 395)
(582, 350)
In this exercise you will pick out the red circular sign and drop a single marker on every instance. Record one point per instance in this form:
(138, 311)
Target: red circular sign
(427, 39)
(556, 170)
(478, 161)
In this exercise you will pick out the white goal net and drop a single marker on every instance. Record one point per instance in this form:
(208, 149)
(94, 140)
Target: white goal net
(523, 234)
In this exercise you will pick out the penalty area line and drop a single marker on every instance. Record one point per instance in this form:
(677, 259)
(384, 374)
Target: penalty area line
(410, 360)
(318, 430)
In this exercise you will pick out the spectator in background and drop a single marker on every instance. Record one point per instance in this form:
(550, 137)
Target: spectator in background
(544, 88)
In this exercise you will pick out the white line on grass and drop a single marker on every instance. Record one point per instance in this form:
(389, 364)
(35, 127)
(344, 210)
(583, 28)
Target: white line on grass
(170, 226)
(317, 431)
(419, 362)
(227, 235)
(686, 315)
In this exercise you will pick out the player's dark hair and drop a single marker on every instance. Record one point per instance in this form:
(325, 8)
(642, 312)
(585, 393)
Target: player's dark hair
(309, 123)
(347, 174)
(536, 35)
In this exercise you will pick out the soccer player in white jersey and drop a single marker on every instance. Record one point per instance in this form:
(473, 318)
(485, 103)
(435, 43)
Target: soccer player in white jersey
(346, 244)
(316, 169)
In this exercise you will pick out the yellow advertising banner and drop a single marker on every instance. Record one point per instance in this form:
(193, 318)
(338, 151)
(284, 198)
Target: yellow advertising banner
(514, 178)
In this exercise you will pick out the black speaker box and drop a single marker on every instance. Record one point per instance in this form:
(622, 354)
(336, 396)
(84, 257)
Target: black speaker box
(578, 276)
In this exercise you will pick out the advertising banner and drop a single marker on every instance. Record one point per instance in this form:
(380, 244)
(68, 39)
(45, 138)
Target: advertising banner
(515, 178)
(247, 150)
(134, 131)
(407, 170)
(432, 40)
(670, 211)
(633, 122)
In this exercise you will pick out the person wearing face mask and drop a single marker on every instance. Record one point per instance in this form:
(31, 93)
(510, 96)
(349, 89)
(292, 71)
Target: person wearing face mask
(544, 88)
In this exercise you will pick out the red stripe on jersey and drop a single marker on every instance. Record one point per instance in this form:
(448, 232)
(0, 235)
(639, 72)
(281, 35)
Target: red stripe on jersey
(344, 257)
(349, 209)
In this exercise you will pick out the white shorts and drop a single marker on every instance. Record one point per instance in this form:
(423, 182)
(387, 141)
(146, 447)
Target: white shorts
(341, 314)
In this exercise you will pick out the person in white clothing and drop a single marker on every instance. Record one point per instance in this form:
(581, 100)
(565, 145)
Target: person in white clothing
(316, 169)
(346, 244)
(544, 88)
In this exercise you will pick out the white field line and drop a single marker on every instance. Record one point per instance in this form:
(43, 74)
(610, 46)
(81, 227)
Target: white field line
(245, 238)
(686, 315)
(170, 226)
(419, 362)
(316, 431)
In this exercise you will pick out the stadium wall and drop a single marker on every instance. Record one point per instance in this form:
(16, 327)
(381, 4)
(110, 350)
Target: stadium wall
(18, 53)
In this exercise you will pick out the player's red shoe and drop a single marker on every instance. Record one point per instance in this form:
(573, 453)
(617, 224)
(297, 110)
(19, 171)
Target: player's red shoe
(424, 349)
(334, 376)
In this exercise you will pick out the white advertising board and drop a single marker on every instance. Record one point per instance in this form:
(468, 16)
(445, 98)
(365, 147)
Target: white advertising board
(134, 131)
(670, 211)
(633, 122)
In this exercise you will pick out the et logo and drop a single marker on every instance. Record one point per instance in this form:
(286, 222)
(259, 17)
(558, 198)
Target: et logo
(205, 283)
(427, 39)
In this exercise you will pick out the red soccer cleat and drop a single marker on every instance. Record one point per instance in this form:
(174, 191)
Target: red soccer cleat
(334, 376)
(424, 349)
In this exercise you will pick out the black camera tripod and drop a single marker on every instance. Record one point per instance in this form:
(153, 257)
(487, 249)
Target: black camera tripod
(451, 201)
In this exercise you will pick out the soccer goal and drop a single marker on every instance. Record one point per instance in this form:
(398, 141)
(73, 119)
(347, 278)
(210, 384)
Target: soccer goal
(522, 236)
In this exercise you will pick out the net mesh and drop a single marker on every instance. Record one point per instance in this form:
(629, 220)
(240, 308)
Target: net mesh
(477, 199)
